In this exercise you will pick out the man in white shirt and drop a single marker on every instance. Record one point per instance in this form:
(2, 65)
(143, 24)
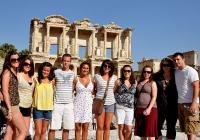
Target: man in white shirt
(63, 113)
(187, 82)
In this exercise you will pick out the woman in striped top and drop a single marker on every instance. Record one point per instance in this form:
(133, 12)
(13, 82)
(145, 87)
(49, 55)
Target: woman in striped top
(100, 81)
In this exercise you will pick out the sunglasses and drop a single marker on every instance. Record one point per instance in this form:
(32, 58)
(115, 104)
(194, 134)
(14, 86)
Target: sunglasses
(127, 71)
(166, 65)
(106, 66)
(149, 72)
(12, 60)
(26, 64)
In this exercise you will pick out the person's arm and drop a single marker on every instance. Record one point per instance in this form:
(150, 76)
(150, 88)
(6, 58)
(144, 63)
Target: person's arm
(95, 86)
(153, 99)
(6, 96)
(74, 86)
(194, 104)
(116, 86)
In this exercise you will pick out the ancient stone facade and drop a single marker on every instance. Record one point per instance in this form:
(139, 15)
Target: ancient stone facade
(154, 63)
(80, 38)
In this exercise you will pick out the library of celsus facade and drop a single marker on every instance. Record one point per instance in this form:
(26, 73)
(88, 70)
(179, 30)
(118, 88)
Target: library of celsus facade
(55, 36)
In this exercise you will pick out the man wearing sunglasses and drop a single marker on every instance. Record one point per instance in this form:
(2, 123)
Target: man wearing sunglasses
(187, 82)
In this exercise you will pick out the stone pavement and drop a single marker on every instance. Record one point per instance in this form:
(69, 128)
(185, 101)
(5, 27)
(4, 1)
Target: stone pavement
(114, 136)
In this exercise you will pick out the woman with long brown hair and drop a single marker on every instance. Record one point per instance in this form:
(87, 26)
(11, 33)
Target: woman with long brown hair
(102, 81)
(125, 89)
(83, 101)
(146, 108)
(167, 99)
(9, 85)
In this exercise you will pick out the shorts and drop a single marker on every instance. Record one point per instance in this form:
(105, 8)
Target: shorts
(63, 117)
(189, 122)
(26, 112)
(109, 108)
(42, 114)
(124, 115)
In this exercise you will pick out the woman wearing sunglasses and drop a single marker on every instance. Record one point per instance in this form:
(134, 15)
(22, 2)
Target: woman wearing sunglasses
(9, 85)
(100, 81)
(125, 88)
(25, 88)
(146, 108)
(167, 98)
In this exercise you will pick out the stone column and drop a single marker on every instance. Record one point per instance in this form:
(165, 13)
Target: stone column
(75, 69)
(119, 45)
(75, 50)
(34, 41)
(93, 70)
(129, 45)
(105, 43)
(118, 71)
(46, 49)
(93, 44)
(63, 42)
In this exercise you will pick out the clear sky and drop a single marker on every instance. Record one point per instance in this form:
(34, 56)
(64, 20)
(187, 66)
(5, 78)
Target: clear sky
(161, 27)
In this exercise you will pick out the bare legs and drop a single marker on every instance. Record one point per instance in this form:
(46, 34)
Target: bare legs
(17, 123)
(103, 125)
(41, 127)
(84, 127)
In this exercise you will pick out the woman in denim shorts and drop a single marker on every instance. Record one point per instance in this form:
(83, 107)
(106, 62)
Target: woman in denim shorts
(43, 100)
(100, 81)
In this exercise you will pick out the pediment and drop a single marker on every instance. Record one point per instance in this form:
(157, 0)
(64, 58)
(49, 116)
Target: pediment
(84, 23)
(112, 25)
(56, 19)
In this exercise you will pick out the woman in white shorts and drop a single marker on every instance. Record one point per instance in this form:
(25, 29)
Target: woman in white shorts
(125, 88)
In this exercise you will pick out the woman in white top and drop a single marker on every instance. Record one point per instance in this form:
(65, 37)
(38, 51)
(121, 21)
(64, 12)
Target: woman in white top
(25, 88)
(100, 81)
(83, 101)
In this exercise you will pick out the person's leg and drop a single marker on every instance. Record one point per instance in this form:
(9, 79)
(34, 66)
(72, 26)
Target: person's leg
(151, 138)
(161, 120)
(77, 131)
(51, 134)
(56, 120)
(120, 116)
(9, 131)
(128, 130)
(100, 126)
(19, 124)
(27, 123)
(107, 122)
(65, 134)
(68, 119)
(85, 127)
(38, 129)
(45, 124)
(171, 119)
(121, 131)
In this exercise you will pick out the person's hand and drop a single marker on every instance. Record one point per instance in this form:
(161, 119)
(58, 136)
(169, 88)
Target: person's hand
(147, 112)
(9, 116)
(193, 107)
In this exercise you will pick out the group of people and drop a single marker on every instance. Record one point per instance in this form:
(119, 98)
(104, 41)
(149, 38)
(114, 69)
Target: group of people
(60, 100)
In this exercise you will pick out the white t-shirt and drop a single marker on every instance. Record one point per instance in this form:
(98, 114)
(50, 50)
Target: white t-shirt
(64, 82)
(184, 79)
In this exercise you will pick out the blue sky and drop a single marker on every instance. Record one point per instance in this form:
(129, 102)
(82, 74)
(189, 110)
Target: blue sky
(161, 27)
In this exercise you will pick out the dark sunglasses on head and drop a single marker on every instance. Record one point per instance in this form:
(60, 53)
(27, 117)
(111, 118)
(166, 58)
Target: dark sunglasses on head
(166, 65)
(26, 64)
(106, 66)
(149, 72)
(127, 71)
(12, 60)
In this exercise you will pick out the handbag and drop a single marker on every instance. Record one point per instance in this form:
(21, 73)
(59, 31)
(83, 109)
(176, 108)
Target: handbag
(98, 104)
